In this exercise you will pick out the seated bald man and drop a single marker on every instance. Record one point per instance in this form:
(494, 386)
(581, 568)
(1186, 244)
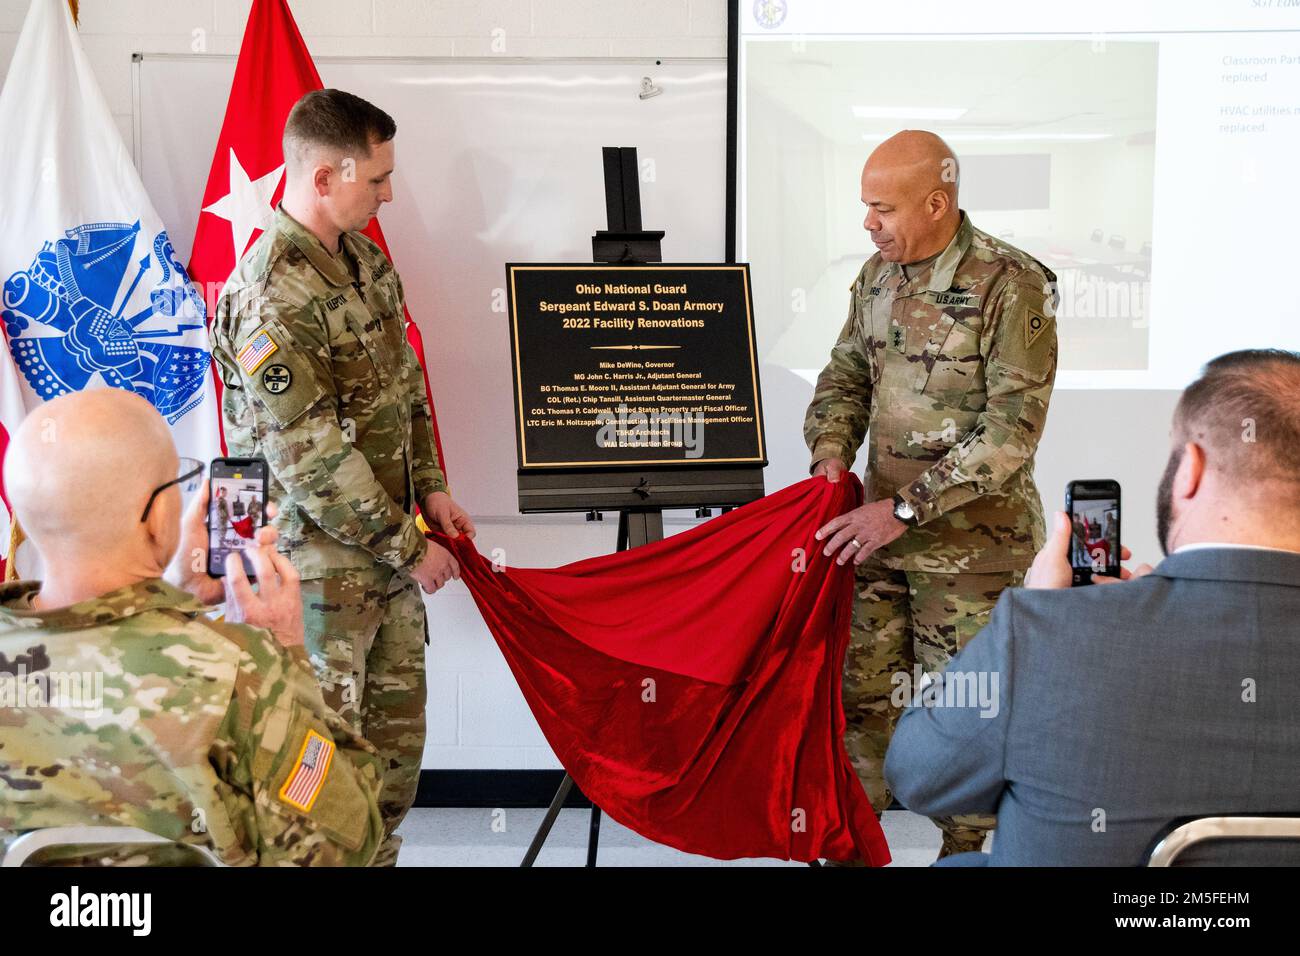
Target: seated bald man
(127, 705)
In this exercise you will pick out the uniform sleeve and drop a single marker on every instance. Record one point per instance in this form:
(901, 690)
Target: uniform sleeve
(304, 441)
(426, 469)
(836, 422)
(311, 783)
(1019, 370)
(945, 760)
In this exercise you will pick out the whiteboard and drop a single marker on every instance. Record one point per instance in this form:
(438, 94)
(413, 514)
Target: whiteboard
(497, 161)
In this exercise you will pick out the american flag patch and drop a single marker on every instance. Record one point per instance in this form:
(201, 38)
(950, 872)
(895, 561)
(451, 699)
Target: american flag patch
(308, 775)
(260, 348)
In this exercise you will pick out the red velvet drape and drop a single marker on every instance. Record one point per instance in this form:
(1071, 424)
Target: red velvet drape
(691, 686)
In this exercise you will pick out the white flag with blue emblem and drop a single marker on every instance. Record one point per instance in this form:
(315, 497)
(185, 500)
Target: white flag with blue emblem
(93, 294)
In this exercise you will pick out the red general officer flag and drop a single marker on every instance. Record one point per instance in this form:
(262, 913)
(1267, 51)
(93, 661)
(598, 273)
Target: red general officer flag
(246, 180)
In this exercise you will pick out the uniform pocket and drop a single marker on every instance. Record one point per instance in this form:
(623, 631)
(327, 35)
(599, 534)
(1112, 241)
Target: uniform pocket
(363, 358)
(390, 300)
(313, 783)
(958, 361)
(877, 311)
(278, 373)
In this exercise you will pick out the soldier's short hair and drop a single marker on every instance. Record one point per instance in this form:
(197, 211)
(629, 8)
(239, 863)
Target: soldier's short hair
(1245, 411)
(336, 120)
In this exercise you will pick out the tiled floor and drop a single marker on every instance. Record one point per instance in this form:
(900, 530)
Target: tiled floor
(481, 837)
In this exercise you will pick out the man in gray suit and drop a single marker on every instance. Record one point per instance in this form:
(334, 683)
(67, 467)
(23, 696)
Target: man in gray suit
(1090, 718)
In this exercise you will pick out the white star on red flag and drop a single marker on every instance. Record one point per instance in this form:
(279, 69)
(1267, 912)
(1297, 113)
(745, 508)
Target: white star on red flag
(247, 207)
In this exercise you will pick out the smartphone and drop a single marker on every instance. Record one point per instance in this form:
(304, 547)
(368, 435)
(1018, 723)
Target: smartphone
(236, 509)
(1093, 507)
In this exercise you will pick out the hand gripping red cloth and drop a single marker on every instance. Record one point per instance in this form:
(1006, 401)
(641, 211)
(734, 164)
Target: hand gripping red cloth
(691, 686)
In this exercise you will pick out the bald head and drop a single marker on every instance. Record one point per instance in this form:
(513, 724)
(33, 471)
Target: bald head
(916, 160)
(909, 185)
(79, 471)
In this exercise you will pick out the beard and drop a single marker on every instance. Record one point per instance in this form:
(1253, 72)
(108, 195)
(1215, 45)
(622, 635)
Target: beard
(1165, 499)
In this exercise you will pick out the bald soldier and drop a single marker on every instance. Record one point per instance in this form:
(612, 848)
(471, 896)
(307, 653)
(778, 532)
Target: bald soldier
(310, 338)
(947, 358)
(123, 704)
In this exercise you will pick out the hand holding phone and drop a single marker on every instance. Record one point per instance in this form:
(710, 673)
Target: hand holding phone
(189, 566)
(1066, 558)
(276, 605)
(1093, 509)
(237, 490)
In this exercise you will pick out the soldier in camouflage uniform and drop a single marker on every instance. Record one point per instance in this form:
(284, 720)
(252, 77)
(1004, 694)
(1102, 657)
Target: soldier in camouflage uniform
(222, 510)
(203, 725)
(128, 706)
(310, 339)
(947, 358)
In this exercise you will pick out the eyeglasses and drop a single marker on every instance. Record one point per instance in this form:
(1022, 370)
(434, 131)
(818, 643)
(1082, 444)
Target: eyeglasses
(188, 474)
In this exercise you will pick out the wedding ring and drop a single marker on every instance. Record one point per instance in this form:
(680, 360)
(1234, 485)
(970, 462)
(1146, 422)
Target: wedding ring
(856, 543)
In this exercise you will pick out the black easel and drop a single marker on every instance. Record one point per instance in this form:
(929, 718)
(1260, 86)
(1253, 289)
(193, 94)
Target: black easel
(639, 495)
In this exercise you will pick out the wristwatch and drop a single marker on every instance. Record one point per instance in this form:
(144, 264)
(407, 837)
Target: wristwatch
(903, 511)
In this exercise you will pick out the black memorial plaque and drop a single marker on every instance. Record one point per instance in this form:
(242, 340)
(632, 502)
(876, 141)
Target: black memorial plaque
(626, 366)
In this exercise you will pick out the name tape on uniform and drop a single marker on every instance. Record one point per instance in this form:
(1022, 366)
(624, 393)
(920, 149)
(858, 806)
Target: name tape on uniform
(309, 773)
(259, 348)
(960, 299)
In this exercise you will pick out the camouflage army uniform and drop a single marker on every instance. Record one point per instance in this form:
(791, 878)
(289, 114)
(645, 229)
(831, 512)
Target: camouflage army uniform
(223, 519)
(321, 382)
(951, 365)
(205, 733)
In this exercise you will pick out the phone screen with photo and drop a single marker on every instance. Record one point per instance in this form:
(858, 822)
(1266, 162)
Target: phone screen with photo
(1095, 532)
(236, 509)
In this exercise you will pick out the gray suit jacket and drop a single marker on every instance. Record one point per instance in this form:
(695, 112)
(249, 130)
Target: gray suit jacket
(1117, 709)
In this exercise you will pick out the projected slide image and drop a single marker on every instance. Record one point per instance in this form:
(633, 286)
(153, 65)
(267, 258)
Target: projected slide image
(1056, 144)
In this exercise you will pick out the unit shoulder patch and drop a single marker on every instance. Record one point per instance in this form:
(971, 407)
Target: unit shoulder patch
(277, 378)
(1035, 323)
